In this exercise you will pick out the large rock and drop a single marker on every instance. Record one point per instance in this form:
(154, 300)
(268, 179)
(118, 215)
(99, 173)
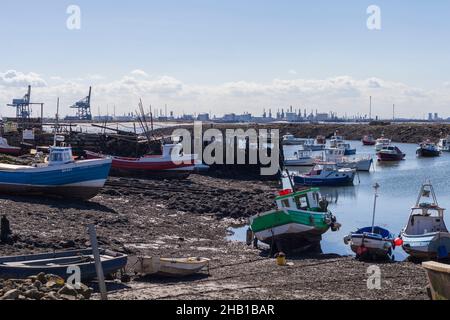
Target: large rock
(34, 294)
(85, 291)
(68, 290)
(11, 295)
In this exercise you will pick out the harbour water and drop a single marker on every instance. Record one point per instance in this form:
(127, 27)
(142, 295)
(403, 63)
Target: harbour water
(399, 187)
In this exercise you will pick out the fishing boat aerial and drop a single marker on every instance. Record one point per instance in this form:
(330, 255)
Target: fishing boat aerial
(171, 164)
(56, 263)
(326, 174)
(428, 149)
(59, 176)
(337, 156)
(5, 148)
(426, 236)
(368, 140)
(298, 223)
(390, 153)
(372, 242)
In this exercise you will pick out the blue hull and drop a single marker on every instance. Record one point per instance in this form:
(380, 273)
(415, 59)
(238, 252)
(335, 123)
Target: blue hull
(76, 180)
(306, 181)
(350, 152)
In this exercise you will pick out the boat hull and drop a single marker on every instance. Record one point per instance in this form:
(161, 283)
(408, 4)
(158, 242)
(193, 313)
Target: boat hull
(428, 153)
(439, 279)
(170, 267)
(10, 151)
(390, 157)
(377, 247)
(299, 163)
(427, 246)
(334, 181)
(20, 267)
(290, 231)
(350, 152)
(361, 165)
(80, 180)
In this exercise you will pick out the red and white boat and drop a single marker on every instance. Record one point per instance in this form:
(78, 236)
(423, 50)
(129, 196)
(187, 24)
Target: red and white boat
(5, 148)
(369, 140)
(390, 153)
(171, 164)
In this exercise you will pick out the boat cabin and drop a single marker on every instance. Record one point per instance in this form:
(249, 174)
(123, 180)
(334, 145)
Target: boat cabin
(426, 217)
(306, 200)
(60, 155)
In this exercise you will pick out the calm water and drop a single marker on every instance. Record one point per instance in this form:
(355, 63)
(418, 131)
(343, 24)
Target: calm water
(399, 187)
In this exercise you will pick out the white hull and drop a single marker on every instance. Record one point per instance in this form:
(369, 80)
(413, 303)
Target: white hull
(299, 162)
(170, 267)
(359, 165)
(291, 228)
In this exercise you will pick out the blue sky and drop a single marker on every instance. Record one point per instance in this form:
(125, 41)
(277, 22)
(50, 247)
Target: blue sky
(211, 43)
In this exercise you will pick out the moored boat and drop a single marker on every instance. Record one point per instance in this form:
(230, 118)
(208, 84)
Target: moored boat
(326, 174)
(336, 139)
(444, 144)
(439, 279)
(171, 164)
(348, 149)
(359, 163)
(171, 267)
(428, 149)
(372, 242)
(300, 158)
(298, 223)
(390, 153)
(5, 148)
(60, 176)
(368, 140)
(426, 235)
(56, 263)
(382, 142)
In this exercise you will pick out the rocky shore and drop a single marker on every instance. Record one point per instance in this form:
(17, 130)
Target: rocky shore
(192, 218)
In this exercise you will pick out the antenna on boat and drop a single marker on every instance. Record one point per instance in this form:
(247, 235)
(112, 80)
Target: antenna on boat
(57, 123)
(290, 180)
(376, 186)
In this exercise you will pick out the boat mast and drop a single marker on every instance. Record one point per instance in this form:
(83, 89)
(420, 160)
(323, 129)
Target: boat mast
(376, 187)
(57, 123)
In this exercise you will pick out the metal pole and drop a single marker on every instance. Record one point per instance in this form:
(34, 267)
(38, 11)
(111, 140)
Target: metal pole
(376, 186)
(98, 263)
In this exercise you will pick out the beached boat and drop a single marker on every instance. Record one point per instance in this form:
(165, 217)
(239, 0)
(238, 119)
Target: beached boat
(390, 153)
(5, 148)
(439, 279)
(60, 176)
(300, 220)
(171, 164)
(428, 149)
(372, 242)
(359, 163)
(444, 144)
(326, 174)
(299, 159)
(368, 140)
(426, 235)
(170, 267)
(382, 142)
(56, 263)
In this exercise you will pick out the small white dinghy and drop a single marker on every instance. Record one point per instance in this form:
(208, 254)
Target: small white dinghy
(171, 267)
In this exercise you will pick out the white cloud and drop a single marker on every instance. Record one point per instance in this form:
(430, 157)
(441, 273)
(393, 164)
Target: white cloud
(343, 94)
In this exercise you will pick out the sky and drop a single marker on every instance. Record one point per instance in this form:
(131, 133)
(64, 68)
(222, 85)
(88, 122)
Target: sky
(224, 56)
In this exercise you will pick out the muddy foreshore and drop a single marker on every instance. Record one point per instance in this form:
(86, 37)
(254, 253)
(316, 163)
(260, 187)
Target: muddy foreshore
(191, 218)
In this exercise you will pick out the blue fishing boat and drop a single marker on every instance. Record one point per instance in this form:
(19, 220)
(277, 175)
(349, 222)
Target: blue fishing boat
(20, 267)
(326, 174)
(426, 236)
(59, 176)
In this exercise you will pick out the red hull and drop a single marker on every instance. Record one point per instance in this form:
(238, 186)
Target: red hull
(11, 151)
(369, 143)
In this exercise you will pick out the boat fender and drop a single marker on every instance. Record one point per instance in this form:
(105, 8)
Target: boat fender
(250, 236)
(347, 240)
(335, 226)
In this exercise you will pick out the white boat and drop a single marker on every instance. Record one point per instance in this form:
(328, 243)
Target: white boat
(326, 174)
(382, 142)
(336, 140)
(291, 140)
(444, 144)
(426, 236)
(170, 267)
(299, 159)
(359, 163)
(307, 143)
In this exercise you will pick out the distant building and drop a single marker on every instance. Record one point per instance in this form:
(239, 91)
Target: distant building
(322, 117)
(203, 117)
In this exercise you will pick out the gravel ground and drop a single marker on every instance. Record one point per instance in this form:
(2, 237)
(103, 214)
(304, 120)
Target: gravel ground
(191, 218)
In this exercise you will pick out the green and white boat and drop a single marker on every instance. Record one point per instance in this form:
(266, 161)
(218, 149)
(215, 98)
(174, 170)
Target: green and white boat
(298, 223)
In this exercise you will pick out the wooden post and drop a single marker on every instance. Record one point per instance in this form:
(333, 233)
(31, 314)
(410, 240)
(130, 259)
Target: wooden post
(98, 263)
